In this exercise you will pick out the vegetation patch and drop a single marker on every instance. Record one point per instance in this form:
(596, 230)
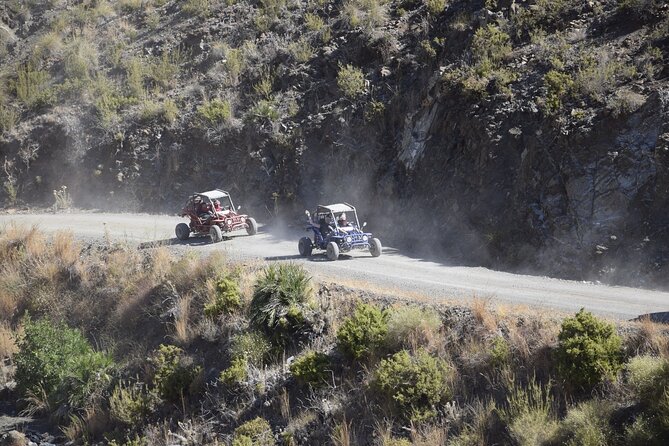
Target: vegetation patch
(415, 384)
(589, 350)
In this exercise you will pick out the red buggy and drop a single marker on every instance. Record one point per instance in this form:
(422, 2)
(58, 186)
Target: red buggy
(212, 213)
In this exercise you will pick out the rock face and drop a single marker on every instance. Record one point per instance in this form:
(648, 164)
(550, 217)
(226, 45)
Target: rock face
(528, 136)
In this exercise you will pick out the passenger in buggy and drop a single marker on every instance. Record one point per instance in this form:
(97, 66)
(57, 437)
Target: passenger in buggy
(343, 223)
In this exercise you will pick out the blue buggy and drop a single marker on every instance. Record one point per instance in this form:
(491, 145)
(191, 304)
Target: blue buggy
(337, 230)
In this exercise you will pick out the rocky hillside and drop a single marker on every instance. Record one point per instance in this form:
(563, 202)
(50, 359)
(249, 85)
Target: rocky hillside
(517, 134)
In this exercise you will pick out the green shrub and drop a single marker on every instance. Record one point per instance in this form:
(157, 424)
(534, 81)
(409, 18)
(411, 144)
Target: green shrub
(250, 345)
(500, 352)
(558, 86)
(58, 361)
(8, 118)
(490, 43)
(234, 63)
(174, 372)
(136, 72)
(364, 332)
(236, 373)
(351, 81)
(374, 110)
(313, 22)
(164, 69)
(645, 375)
(281, 295)
(434, 7)
(588, 350)
(227, 299)
(256, 432)
(413, 384)
(31, 87)
(301, 50)
(81, 59)
(130, 404)
(215, 111)
(398, 442)
(311, 368)
(587, 424)
(409, 326)
(152, 110)
(265, 109)
(200, 8)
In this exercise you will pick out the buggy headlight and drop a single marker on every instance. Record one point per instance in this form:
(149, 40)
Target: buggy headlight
(364, 238)
(228, 221)
(349, 239)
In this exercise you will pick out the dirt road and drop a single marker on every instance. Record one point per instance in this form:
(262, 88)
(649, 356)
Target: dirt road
(391, 272)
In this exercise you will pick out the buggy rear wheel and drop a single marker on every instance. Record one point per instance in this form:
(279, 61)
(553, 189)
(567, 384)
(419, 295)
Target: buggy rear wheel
(304, 246)
(375, 247)
(332, 251)
(182, 231)
(251, 226)
(216, 234)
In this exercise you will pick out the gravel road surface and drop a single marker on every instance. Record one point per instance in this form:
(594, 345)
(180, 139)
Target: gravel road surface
(392, 272)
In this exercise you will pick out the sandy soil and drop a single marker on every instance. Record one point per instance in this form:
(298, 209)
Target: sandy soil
(393, 272)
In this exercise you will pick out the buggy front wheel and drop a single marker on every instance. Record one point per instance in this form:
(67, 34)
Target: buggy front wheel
(332, 251)
(304, 246)
(216, 234)
(375, 247)
(182, 231)
(251, 226)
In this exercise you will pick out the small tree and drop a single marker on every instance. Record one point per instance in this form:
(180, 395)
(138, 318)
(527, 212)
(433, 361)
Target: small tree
(589, 350)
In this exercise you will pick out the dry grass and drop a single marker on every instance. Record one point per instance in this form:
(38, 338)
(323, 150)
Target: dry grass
(481, 310)
(90, 424)
(429, 436)
(161, 262)
(65, 248)
(342, 433)
(7, 341)
(183, 332)
(12, 286)
(650, 337)
(284, 405)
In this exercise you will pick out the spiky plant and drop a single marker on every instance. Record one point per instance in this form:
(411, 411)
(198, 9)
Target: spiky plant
(281, 301)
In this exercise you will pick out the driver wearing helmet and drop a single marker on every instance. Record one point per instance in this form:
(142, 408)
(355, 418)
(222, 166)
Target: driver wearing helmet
(343, 223)
(342, 220)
